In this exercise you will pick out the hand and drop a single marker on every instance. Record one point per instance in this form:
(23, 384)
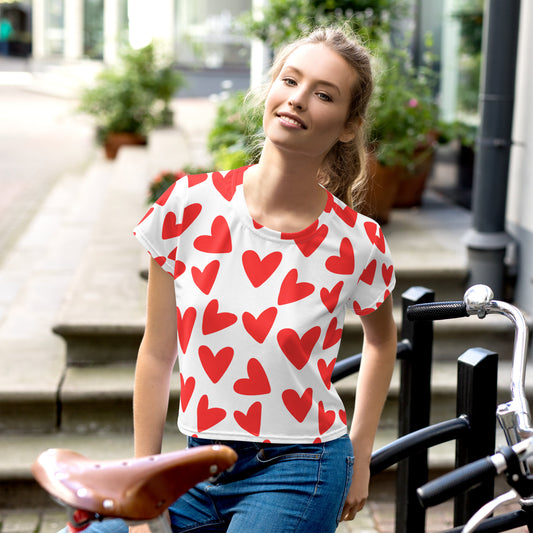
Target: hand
(358, 493)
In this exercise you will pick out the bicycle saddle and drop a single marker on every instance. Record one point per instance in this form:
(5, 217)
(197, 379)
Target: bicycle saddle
(134, 489)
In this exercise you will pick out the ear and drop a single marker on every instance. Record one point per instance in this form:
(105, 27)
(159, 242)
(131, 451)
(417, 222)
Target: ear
(350, 130)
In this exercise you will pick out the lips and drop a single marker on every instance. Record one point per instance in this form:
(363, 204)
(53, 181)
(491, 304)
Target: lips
(291, 120)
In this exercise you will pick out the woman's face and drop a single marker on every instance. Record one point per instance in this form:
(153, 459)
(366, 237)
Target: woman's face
(307, 105)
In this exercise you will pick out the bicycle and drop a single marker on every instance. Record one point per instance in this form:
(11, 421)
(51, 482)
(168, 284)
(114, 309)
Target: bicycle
(513, 416)
(137, 490)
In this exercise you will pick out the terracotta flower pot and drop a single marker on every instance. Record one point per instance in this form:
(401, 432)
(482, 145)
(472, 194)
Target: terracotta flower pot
(411, 187)
(114, 141)
(397, 186)
(381, 189)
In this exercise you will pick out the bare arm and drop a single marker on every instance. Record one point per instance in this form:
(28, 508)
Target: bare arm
(155, 361)
(379, 355)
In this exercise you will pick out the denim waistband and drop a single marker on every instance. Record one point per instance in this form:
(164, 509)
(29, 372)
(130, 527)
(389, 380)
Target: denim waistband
(238, 445)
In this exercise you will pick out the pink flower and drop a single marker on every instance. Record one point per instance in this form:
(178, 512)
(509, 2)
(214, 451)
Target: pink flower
(413, 102)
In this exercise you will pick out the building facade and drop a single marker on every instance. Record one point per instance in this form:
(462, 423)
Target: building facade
(520, 192)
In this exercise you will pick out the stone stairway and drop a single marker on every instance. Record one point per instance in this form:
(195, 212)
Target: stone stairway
(72, 319)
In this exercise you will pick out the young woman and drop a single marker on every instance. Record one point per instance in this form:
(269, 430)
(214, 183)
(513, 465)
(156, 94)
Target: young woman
(251, 271)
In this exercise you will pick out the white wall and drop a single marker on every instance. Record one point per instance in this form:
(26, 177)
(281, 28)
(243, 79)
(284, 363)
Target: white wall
(520, 192)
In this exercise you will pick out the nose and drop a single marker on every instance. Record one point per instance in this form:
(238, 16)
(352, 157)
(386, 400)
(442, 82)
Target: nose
(298, 98)
(296, 103)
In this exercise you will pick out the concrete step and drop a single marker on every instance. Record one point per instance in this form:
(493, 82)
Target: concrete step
(18, 452)
(34, 279)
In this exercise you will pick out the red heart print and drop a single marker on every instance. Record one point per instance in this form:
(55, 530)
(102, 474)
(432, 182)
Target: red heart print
(361, 312)
(325, 418)
(214, 321)
(250, 421)
(256, 383)
(326, 371)
(259, 270)
(367, 276)
(172, 255)
(208, 416)
(205, 278)
(150, 211)
(308, 245)
(344, 263)
(172, 229)
(186, 390)
(195, 179)
(161, 260)
(348, 215)
(260, 327)
(179, 269)
(330, 298)
(162, 200)
(342, 416)
(386, 272)
(225, 184)
(333, 335)
(298, 350)
(375, 235)
(292, 291)
(185, 325)
(215, 366)
(298, 406)
(218, 241)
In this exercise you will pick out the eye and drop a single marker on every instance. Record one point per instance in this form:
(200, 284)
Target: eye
(289, 81)
(325, 97)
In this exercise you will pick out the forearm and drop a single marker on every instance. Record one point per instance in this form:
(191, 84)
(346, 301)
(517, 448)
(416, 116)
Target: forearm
(372, 388)
(150, 403)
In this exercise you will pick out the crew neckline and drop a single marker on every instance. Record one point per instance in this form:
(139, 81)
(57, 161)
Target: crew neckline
(272, 234)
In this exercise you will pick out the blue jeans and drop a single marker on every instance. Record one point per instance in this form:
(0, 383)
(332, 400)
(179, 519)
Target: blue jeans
(273, 488)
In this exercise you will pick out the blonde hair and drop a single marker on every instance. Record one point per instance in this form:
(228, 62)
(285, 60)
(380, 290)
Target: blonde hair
(344, 170)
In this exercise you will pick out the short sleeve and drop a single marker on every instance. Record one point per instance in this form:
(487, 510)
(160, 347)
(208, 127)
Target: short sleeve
(377, 276)
(159, 230)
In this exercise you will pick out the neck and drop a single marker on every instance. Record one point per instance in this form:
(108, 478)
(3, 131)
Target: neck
(282, 191)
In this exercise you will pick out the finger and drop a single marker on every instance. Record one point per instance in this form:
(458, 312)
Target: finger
(348, 514)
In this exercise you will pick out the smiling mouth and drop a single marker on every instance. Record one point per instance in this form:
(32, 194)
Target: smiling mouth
(291, 121)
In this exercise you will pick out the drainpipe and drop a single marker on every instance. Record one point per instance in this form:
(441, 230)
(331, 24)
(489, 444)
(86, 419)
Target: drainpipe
(487, 240)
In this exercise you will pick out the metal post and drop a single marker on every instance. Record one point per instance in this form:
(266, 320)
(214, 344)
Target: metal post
(487, 240)
(477, 384)
(413, 411)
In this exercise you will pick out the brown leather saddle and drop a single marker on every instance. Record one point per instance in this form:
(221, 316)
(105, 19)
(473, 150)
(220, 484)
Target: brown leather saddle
(134, 489)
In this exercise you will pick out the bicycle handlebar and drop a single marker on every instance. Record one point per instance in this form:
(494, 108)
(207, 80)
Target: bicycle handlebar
(450, 484)
(437, 311)
(478, 300)
(457, 481)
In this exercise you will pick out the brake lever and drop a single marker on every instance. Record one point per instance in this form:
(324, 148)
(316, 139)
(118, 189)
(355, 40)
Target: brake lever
(489, 508)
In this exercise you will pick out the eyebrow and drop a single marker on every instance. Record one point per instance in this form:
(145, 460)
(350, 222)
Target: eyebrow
(318, 82)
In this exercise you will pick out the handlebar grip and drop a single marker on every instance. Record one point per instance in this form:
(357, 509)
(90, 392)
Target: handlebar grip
(449, 485)
(436, 311)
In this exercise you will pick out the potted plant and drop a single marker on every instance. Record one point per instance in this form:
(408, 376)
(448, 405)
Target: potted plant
(128, 100)
(404, 131)
(233, 139)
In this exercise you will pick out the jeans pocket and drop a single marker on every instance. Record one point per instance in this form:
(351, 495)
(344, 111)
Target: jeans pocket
(280, 453)
(349, 475)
